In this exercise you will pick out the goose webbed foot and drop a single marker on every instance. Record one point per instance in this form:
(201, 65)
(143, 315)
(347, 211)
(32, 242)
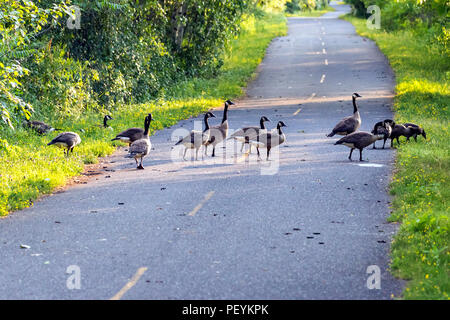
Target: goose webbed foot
(140, 167)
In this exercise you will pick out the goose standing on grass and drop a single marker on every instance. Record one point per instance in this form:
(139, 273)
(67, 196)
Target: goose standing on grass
(348, 124)
(40, 127)
(384, 128)
(359, 140)
(247, 133)
(105, 121)
(220, 132)
(400, 130)
(141, 147)
(416, 130)
(269, 140)
(66, 140)
(196, 138)
(131, 135)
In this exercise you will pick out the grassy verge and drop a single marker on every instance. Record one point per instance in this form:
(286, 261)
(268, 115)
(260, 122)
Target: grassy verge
(312, 13)
(28, 168)
(420, 250)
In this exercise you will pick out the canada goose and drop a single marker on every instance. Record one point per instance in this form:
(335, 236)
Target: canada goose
(348, 124)
(416, 130)
(141, 147)
(269, 139)
(245, 134)
(359, 140)
(400, 130)
(384, 128)
(105, 121)
(196, 138)
(131, 135)
(66, 140)
(220, 132)
(40, 127)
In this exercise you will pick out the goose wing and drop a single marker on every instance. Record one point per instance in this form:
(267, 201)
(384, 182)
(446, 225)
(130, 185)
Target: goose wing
(140, 147)
(247, 133)
(67, 138)
(195, 138)
(268, 139)
(347, 124)
(359, 139)
(130, 134)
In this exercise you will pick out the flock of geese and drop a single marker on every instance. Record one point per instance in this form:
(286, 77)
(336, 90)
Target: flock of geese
(257, 136)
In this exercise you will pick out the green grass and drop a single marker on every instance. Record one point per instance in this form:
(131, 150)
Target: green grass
(30, 168)
(312, 13)
(421, 187)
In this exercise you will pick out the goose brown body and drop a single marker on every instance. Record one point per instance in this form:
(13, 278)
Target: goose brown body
(195, 139)
(130, 135)
(141, 147)
(359, 140)
(415, 130)
(348, 124)
(400, 130)
(383, 128)
(40, 127)
(246, 134)
(67, 140)
(269, 140)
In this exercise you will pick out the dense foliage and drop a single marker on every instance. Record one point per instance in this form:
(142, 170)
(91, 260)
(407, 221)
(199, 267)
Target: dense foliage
(122, 51)
(293, 6)
(428, 18)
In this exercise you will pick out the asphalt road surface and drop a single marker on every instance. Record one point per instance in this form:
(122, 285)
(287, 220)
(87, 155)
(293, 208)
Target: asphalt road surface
(305, 225)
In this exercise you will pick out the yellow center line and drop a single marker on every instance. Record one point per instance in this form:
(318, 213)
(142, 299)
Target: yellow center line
(326, 61)
(200, 205)
(130, 283)
(296, 112)
(300, 109)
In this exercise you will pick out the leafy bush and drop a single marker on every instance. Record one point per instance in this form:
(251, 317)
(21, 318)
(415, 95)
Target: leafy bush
(125, 51)
(427, 18)
(293, 6)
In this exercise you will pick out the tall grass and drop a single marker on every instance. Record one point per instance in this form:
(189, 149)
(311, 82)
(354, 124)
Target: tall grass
(421, 184)
(29, 168)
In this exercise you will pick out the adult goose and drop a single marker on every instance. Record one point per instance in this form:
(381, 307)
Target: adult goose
(132, 134)
(40, 127)
(220, 132)
(416, 130)
(247, 133)
(400, 130)
(384, 128)
(141, 147)
(66, 140)
(348, 124)
(269, 140)
(105, 121)
(359, 140)
(196, 138)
